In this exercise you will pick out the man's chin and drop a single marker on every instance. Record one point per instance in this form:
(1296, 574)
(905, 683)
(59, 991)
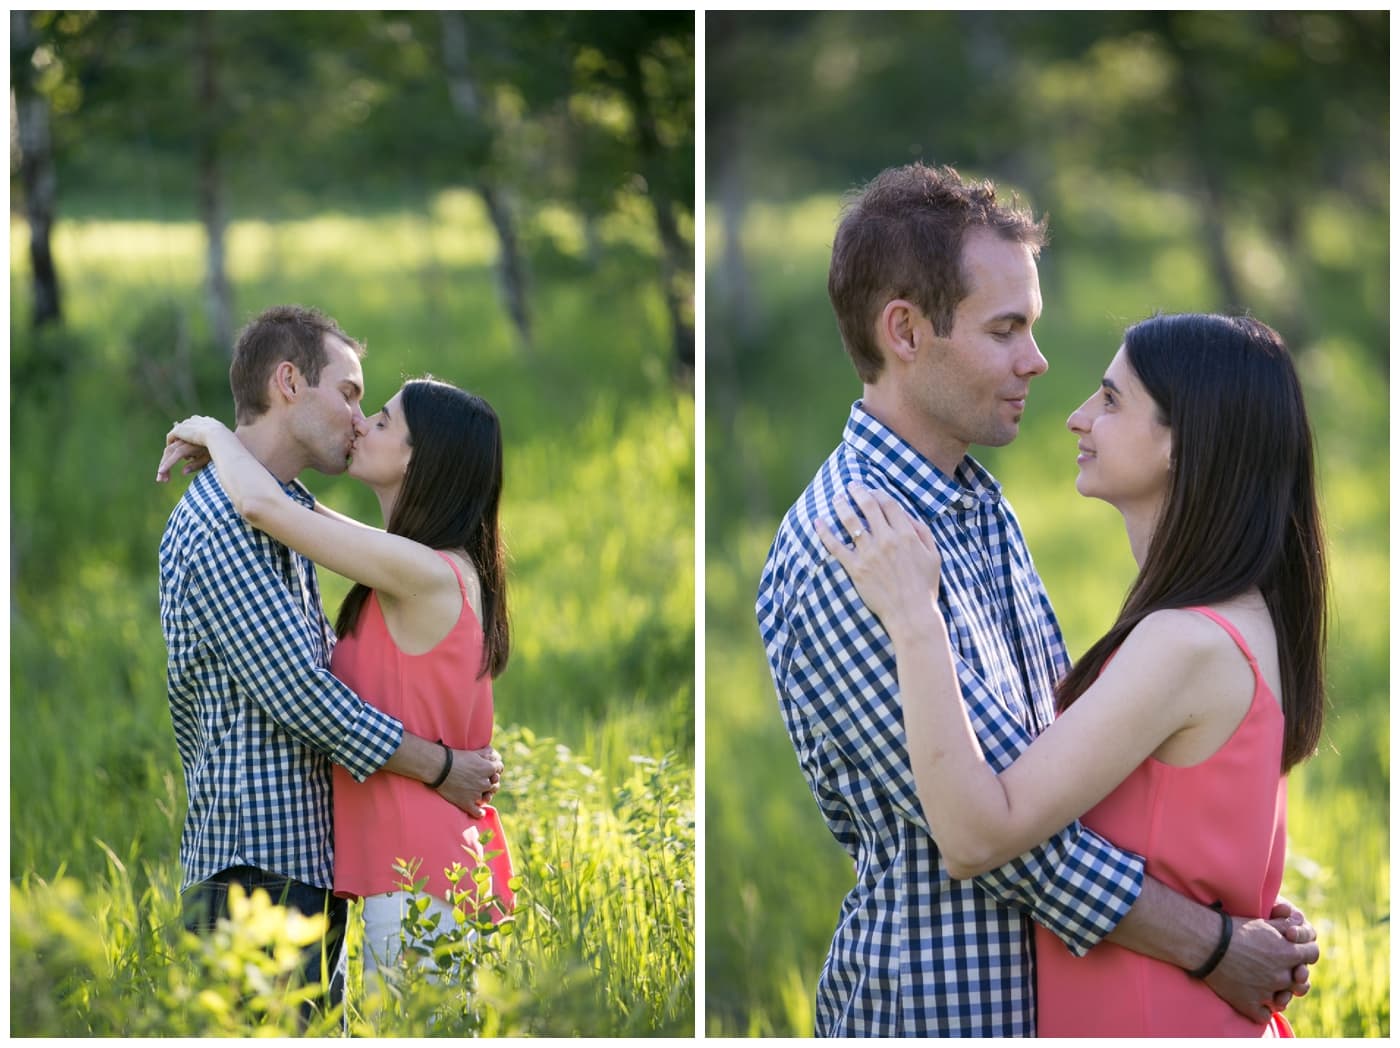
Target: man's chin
(1001, 437)
(333, 467)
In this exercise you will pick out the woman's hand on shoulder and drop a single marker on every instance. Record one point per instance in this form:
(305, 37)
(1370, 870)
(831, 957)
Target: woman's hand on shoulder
(892, 558)
(189, 440)
(197, 429)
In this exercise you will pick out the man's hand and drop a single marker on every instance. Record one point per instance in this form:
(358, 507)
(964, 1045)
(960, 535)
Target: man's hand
(1265, 966)
(1294, 926)
(1267, 963)
(474, 779)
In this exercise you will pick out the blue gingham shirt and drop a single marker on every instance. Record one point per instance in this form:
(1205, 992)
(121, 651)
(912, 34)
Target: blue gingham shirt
(916, 953)
(258, 715)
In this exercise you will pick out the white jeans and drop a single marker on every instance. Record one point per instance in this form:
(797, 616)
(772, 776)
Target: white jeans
(384, 927)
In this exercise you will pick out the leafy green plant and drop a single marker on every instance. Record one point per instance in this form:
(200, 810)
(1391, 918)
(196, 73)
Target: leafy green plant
(600, 940)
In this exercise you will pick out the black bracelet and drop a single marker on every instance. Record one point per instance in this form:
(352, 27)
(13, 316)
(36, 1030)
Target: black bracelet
(447, 768)
(1227, 928)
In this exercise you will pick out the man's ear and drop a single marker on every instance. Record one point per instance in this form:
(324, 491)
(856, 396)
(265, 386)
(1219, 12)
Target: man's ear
(287, 380)
(896, 327)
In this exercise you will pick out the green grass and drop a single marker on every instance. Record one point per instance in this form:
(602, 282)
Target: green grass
(768, 924)
(596, 707)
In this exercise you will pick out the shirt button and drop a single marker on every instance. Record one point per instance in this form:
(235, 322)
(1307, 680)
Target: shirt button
(967, 501)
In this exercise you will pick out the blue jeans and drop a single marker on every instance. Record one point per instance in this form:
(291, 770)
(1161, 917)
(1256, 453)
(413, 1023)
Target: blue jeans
(204, 903)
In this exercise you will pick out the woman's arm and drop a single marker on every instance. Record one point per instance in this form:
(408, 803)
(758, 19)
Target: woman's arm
(392, 565)
(326, 511)
(1152, 689)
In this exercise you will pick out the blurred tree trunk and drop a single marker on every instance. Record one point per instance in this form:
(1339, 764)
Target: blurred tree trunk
(1202, 158)
(736, 332)
(213, 211)
(36, 169)
(512, 263)
(676, 255)
(466, 100)
(731, 316)
(1293, 321)
(733, 281)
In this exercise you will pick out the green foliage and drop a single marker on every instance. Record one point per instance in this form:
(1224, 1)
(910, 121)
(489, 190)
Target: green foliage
(601, 940)
(768, 925)
(366, 98)
(1243, 136)
(598, 518)
(97, 959)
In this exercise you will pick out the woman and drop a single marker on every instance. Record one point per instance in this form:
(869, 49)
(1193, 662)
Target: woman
(422, 633)
(1175, 729)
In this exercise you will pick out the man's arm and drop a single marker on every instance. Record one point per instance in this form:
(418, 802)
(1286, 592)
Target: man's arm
(254, 622)
(472, 781)
(1264, 967)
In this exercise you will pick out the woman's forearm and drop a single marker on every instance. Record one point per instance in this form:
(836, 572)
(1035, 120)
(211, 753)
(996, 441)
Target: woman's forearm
(962, 797)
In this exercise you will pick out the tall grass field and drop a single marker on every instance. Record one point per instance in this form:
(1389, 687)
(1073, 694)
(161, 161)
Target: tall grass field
(595, 712)
(775, 876)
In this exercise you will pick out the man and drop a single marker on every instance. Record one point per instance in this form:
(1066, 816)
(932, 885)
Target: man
(258, 716)
(936, 291)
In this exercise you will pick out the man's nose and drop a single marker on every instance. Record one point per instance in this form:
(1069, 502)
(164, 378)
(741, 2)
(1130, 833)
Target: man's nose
(360, 424)
(1034, 363)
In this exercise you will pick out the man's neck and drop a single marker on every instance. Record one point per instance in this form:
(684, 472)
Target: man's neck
(270, 447)
(885, 406)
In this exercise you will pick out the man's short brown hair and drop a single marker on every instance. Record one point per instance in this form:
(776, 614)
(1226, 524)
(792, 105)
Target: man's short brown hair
(901, 236)
(295, 333)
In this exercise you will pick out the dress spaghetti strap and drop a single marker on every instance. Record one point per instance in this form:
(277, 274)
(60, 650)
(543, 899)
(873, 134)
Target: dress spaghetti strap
(1229, 628)
(452, 563)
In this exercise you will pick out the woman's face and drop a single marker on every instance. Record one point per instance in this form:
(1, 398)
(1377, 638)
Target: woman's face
(1124, 448)
(380, 455)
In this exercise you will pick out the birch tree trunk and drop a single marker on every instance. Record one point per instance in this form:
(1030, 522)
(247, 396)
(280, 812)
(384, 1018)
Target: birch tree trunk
(36, 170)
(676, 256)
(466, 100)
(1207, 171)
(213, 212)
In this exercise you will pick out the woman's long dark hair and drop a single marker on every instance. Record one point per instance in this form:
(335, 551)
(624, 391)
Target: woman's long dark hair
(450, 500)
(1241, 507)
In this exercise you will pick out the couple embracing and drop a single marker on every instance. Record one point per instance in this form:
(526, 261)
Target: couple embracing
(312, 763)
(1040, 848)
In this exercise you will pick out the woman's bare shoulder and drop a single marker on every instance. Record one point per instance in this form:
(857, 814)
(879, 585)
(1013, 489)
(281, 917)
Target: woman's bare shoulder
(1183, 643)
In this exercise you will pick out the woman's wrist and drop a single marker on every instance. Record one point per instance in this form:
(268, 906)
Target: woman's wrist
(220, 437)
(916, 627)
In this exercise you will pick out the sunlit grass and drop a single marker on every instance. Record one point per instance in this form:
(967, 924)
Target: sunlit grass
(602, 938)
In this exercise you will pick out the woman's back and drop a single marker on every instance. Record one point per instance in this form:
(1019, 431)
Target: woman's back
(442, 694)
(1213, 830)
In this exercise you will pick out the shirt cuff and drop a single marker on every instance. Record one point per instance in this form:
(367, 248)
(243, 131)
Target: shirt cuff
(1077, 886)
(369, 744)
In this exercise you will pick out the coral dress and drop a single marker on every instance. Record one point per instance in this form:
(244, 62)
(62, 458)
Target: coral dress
(437, 695)
(1214, 832)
